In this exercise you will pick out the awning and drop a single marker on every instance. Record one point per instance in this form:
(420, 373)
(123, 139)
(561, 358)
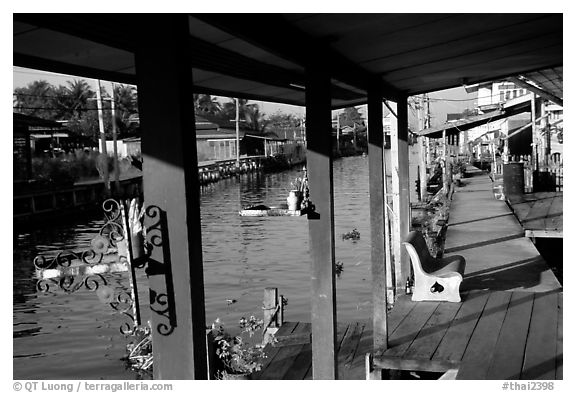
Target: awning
(511, 108)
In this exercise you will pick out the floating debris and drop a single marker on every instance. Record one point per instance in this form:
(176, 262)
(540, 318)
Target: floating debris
(339, 268)
(352, 235)
(231, 301)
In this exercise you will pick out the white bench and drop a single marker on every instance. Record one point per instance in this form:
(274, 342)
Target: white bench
(435, 279)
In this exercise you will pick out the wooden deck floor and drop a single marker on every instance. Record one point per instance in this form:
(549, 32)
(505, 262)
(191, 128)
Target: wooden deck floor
(291, 356)
(490, 335)
(540, 213)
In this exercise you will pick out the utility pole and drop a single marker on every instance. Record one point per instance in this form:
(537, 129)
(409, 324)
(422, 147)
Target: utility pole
(446, 164)
(337, 133)
(115, 142)
(424, 123)
(103, 151)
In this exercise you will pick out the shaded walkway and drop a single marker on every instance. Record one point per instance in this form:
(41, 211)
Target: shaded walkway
(498, 256)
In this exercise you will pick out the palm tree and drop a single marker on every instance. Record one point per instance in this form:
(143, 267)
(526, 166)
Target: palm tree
(250, 114)
(255, 119)
(126, 99)
(79, 93)
(35, 99)
(205, 103)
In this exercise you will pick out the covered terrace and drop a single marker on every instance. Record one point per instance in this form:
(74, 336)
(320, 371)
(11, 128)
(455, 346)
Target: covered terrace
(320, 61)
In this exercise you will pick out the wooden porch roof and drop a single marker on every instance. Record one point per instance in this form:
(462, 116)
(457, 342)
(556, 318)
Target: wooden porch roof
(263, 56)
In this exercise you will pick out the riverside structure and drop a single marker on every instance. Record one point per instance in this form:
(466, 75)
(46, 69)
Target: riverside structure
(312, 60)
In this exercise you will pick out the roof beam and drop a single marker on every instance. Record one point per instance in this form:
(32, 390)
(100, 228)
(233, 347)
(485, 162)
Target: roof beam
(39, 63)
(284, 40)
(206, 56)
(542, 93)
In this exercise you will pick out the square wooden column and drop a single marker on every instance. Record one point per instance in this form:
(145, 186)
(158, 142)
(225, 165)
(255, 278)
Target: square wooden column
(377, 216)
(171, 193)
(401, 195)
(321, 223)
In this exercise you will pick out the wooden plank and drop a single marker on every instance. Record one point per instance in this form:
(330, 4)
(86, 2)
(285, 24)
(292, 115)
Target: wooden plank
(480, 349)
(321, 222)
(401, 309)
(270, 304)
(559, 343)
(377, 206)
(535, 219)
(401, 363)
(509, 354)
(301, 368)
(349, 346)
(342, 328)
(556, 234)
(293, 339)
(409, 328)
(433, 331)
(272, 212)
(540, 356)
(555, 217)
(285, 357)
(456, 339)
(271, 350)
(356, 369)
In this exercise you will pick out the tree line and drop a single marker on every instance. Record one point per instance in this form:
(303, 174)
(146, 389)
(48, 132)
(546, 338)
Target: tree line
(75, 104)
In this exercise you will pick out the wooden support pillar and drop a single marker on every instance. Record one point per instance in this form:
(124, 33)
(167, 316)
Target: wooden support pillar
(377, 217)
(28, 154)
(401, 195)
(321, 222)
(171, 193)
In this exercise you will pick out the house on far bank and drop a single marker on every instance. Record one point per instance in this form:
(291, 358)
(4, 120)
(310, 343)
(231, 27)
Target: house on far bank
(125, 147)
(216, 142)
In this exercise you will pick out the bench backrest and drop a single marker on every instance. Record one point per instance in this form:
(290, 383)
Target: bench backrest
(418, 250)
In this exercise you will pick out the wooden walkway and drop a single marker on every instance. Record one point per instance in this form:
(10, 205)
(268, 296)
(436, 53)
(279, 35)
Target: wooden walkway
(490, 335)
(508, 326)
(540, 213)
(498, 255)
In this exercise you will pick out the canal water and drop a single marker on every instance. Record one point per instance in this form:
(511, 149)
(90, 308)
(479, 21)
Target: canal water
(74, 336)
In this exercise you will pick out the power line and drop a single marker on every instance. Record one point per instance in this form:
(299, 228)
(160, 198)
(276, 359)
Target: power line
(463, 99)
(54, 109)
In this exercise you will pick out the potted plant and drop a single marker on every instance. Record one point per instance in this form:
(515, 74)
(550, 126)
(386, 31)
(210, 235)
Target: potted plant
(295, 195)
(240, 358)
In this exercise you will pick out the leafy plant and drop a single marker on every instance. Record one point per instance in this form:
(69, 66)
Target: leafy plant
(297, 184)
(352, 235)
(140, 355)
(235, 352)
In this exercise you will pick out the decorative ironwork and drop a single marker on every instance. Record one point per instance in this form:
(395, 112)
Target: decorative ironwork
(161, 299)
(124, 304)
(71, 271)
(154, 230)
(71, 284)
